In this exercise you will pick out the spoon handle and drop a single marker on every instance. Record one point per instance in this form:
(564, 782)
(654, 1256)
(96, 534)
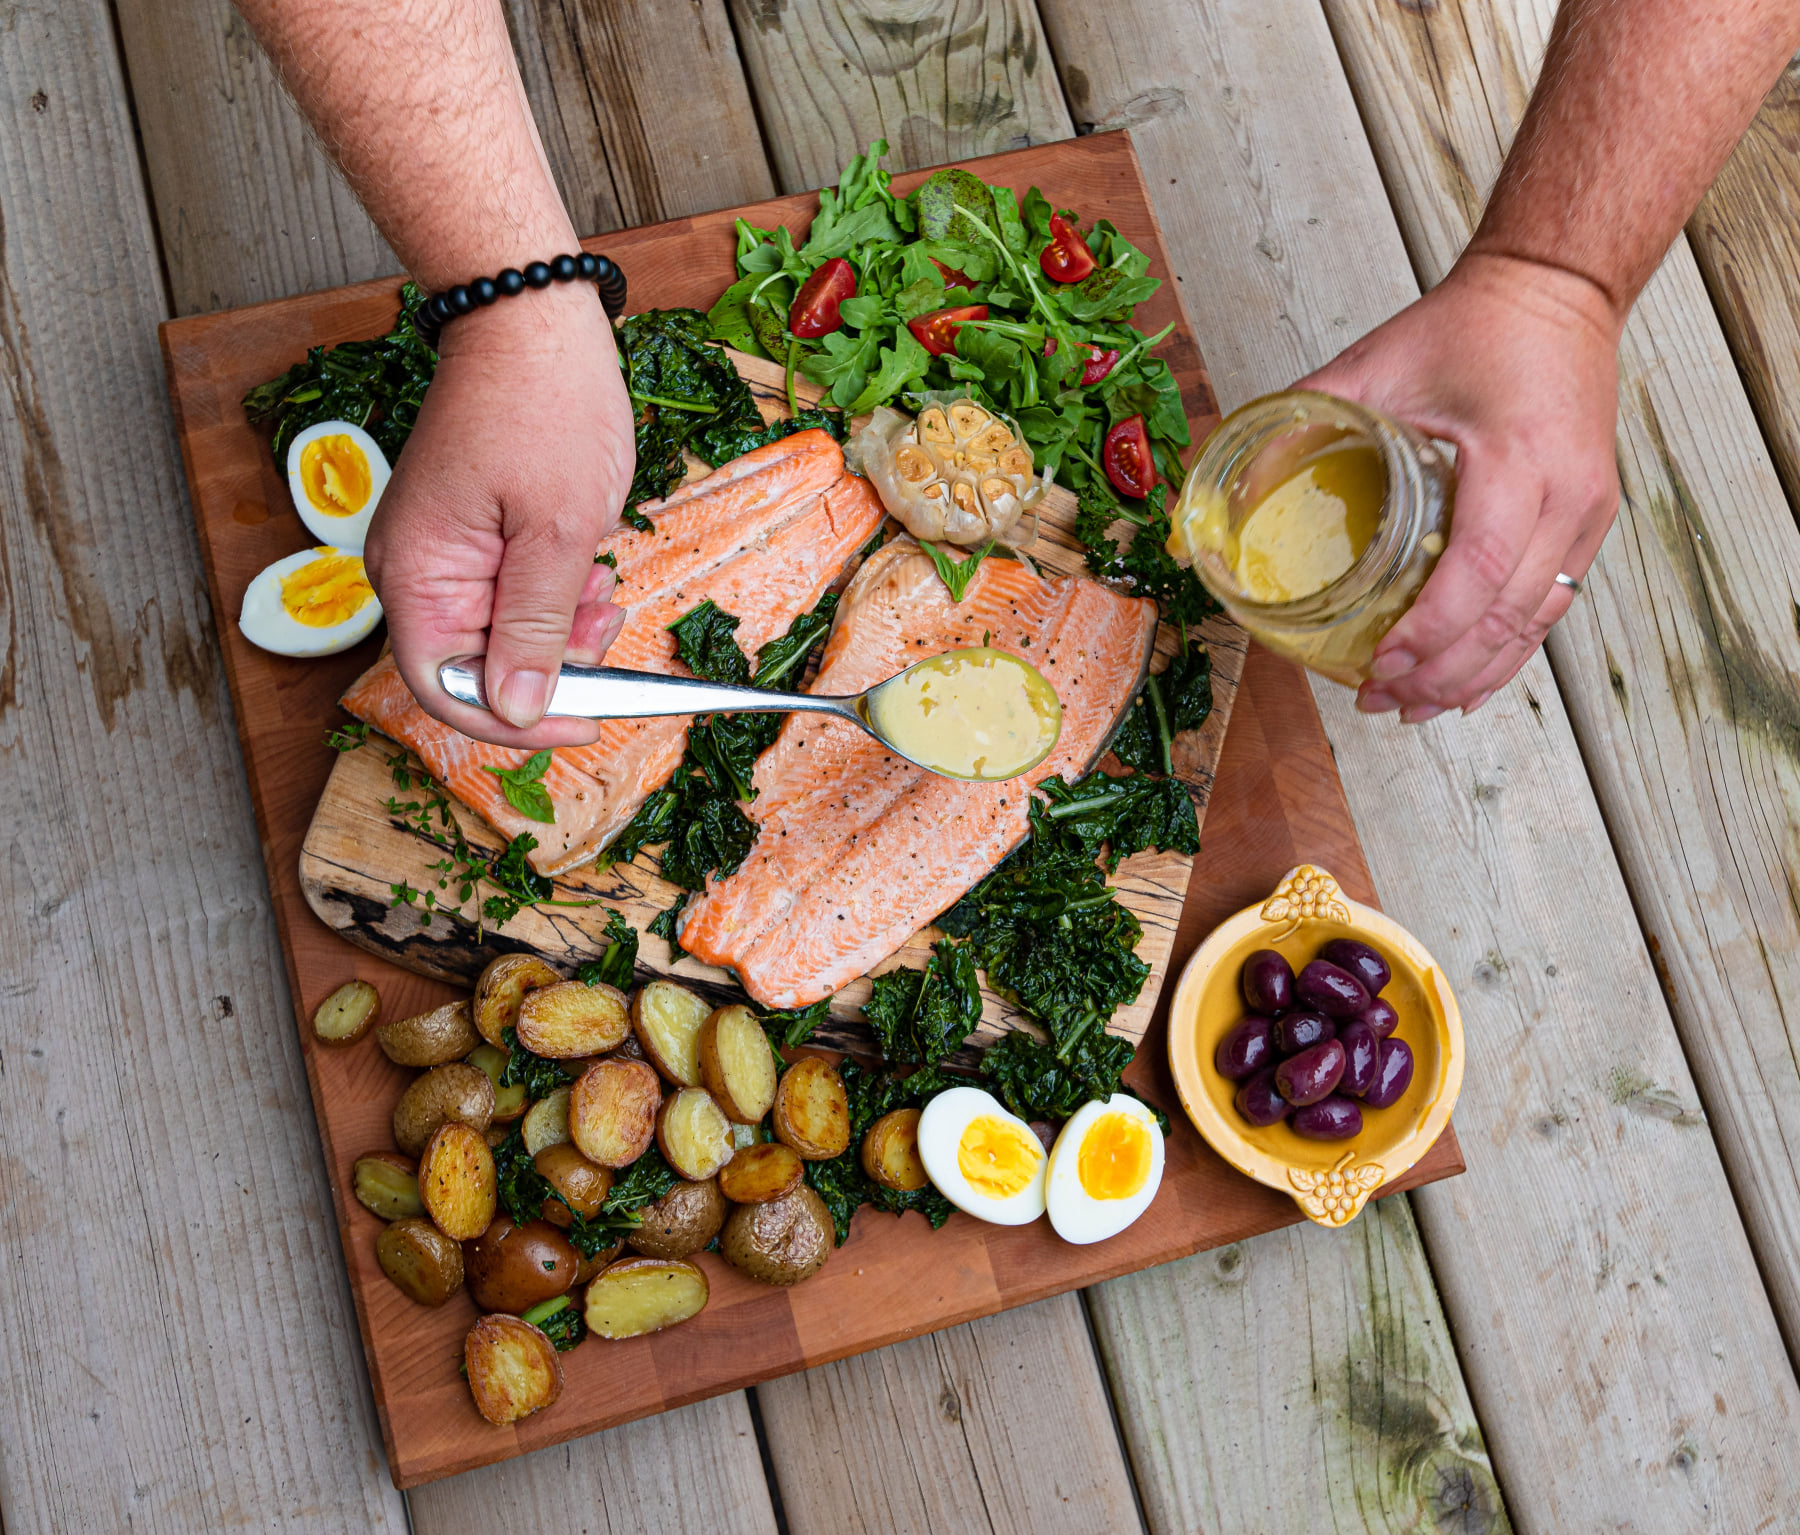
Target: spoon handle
(609, 692)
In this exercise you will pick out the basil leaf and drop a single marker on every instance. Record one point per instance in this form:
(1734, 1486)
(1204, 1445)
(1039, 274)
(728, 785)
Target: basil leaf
(522, 789)
(957, 574)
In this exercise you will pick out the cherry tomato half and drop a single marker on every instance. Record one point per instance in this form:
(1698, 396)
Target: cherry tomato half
(1066, 258)
(1098, 365)
(952, 277)
(936, 332)
(1126, 456)
(815, 311)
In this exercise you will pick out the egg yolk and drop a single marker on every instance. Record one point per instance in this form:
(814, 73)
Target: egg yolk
(998, 1157)
(1115, 1157)
(335, 473)
(326, 591)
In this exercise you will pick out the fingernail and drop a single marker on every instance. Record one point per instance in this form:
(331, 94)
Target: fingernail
(1471, 708)
(1419, 714)
(522, 698)
(1391, 664)
(1374, 701)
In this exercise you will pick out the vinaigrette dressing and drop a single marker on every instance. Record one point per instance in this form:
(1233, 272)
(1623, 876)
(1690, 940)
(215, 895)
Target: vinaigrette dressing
(979, 713)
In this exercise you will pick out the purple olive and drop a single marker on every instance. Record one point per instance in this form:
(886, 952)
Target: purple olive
(1268, 983)
(1361, 1052)
(1247, 1049)
(1301, 1031)
(1259, 1102)
(1393, 1074)
(1307, 1077)
(1327, 989)
(1381, 1017)
(1360, 960)
(1330, 1119)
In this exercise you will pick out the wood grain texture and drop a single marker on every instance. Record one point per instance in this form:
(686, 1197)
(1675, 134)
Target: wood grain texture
(940, 80)
(179, 1346)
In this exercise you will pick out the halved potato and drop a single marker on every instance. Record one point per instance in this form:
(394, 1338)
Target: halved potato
(456, 1091)
(580, 1184)
(612, 1111)
(387, 1184)
(446, 1033)
(572, 1018)
(457, 1181)
(347, 1014)
(421, 1260)
(812, 1110)
(502, 988)
(643, 1295)
(667, 1019)
(509, 1101)
(513, 1369)
(547, 1122)
(737, 1065)
(694, 1134)
(682, 1222)
(757, 1174)
(890, 1151)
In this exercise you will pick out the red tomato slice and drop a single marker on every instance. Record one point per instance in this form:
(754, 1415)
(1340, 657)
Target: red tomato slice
(952, 277)
(815, 311)
(1126, 456)
(1099, 364)
(1066, 258)
(936, 332)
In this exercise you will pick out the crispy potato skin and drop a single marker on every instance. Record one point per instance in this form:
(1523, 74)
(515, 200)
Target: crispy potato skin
(446, 1033)
(509, 1102)
(737, 1065)
(612, 1111)
(547, 1121)
(694, 1134)
(387, 1184)
(513, 1369)
(667, 1020)
(512, 1268)
(502, 988)
(457, 1181)
(456, 1091)
(572, 1019)
(347, 1014)
(890, 1152)
(636, 1296)
(683, 1221)
(423, 1262)
(757, 1174)
(812, 1110)
(781, 1242)
(580, 1184)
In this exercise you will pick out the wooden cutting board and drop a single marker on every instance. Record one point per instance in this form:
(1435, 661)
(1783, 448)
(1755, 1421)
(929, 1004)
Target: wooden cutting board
(1275, 801)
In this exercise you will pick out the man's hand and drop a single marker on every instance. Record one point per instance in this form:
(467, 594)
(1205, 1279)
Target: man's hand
(485, 539)
(1516, 364)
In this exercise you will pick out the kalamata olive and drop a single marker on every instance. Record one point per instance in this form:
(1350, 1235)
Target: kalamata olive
(1307, 1077)
(1381, 1017)
(1330, 1119)
(1360, 1053)
(1301, 1031)
(1393, 1074)
(1336, 992)
(1360, 960)
(1268, 983)
(1259, 1102)
(1247, 1049)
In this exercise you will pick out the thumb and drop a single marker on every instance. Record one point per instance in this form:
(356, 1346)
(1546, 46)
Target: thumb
(540, 580)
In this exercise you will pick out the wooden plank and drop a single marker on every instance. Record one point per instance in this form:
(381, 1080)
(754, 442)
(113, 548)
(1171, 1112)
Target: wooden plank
(179, 1351)
(940, 80)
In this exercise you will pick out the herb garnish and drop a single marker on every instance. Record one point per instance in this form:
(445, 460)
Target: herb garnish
(957, 574)
(524, 789)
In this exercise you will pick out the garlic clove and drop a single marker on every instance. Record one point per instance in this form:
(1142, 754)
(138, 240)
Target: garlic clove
(933, 427)
(968, 418)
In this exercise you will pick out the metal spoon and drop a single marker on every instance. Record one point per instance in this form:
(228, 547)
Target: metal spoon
(607, 692)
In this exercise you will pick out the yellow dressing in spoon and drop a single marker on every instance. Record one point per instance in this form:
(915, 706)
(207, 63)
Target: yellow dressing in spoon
(979, 713)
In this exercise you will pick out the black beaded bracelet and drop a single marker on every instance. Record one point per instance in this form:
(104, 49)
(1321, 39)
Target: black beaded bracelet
(604, 274)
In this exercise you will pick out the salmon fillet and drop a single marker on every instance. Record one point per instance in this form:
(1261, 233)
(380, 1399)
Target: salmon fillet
(856, 848)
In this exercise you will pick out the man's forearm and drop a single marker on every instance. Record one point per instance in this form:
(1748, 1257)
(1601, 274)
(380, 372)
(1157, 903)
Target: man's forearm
(1638, 105)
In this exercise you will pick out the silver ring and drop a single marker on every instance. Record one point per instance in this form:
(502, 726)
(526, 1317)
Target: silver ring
(1568, 581)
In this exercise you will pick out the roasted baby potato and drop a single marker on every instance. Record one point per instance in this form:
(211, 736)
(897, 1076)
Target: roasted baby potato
(456, 1091)
(737, 1064)
(781, 1242)
(387, 1184)
(347, 1014)
(513, 1369)
(421, 1260)
(572, 1018)
(642, 1295)
(446, 1033)
(510, 1101)
(547, 1122)
(890, 1151)
(457, 1181)
(502, 988)
(683, 1221)
(612, 1111)
(586, 1268)
(694, 1134)
(667, 1020)
(812, 1111)
(579, 1184)
(757, 1174)
(512, 1268)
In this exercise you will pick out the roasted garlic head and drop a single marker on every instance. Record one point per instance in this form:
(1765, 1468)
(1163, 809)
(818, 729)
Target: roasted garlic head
(957, 474)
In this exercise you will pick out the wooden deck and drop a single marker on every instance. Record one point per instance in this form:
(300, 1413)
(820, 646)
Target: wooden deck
(1593, 1329)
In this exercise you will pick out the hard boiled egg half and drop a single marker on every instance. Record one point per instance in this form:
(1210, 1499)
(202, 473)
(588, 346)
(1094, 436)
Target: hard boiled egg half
(337, 473)
(984, 1160)
(1104, 1169)
(314, 603)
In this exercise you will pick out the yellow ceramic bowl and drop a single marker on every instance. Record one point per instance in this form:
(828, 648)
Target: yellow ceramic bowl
(1329, 1180)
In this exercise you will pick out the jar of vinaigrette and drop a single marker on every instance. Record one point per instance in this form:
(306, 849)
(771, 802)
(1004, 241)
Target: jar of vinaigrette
(1314, 522)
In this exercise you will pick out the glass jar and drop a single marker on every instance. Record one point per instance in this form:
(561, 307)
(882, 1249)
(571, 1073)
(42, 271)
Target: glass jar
(1265, 444)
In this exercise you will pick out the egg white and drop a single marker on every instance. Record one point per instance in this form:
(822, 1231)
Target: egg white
(941, 1127)
(1074, 1213)
(265, 622)
(342, 532)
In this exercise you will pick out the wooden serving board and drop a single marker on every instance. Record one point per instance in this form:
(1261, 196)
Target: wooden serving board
(1275, 801)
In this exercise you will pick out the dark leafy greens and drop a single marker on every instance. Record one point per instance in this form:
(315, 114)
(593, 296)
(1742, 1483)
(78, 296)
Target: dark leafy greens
(538, 1075)
(925, 1015)
(1144, 564)
(560, 1320)
(617, 966)
(1112, 818)
(791, 1027)
(1177, 698)
(841, 1181)
(522, 1191)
